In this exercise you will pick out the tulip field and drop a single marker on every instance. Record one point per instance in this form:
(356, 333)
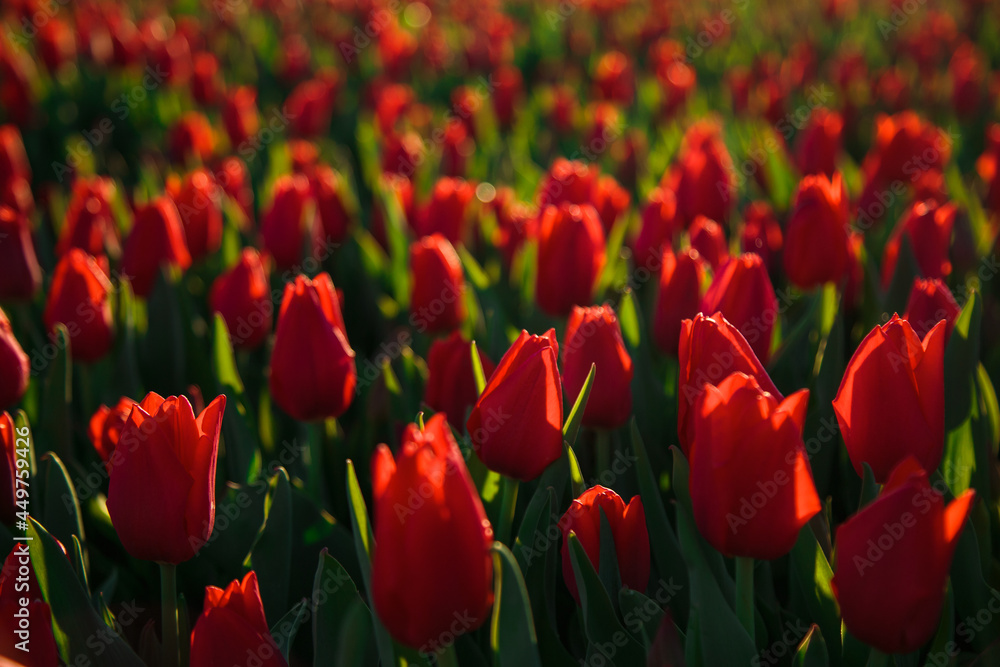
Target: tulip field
(500, 333)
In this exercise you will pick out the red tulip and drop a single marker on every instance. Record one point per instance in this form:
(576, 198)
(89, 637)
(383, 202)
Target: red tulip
(15, 368)
(678, 81)
(614, 79)
(571, 256)
(283, 226)
(818, 144)
(593, 336)
(13, 157)
(79, 298)
(988, 168)
(451, 384)
(928, 227)
(516, 425)
(702, 177)
(206, 84)
(191, 138)
(432, 562)
(239, 115)
(893, 559)
(611, 201)
(403, 153)
(106, 426)
(89, 224)
(200, 207)
(437, 294)
(157, 238)
(567, 181)
(235, 181)
(232, 628)
(930, 302)
(8, 470)
(507, 86)
(710, 350)
(56, 43)
(968, 69)
(161, 495)
(516, 223)
(313, 375)
(447, 210)
(457, 145)
(20, 594)
(742, 291)
(816, 249)
(628, 529)
(243, 298)
(709, 240)
(890, 404)
(310, 106)
(21, 276)
(761, 233)
(679, 296)
(659, 224)
(751, 486)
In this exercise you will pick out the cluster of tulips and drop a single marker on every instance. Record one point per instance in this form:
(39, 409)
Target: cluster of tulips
(603, 332)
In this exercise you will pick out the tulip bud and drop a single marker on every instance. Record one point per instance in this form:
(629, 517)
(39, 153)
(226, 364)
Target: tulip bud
(191, 138)
(79, 298)
(710, 350)
(593, 336)
(749, 444)
(659, 224)
(243, 298)
(611, 201)
(818, 144)
(816, 249)
(235, 181)
(567, 181)
(89, 224)
(742, 291)
(928, 227)
(451, 382)
(283, 224)
(157, 238)
(447, 210)
(161, 495)
(456, 147)
(310, 107)
(232, 628)
(15, 368)
(893, 559)
(239, 115)
(890, 404)
(437, 294)
(571, 256)
(703, 177)
(403, 153)
(516, 223)
(614, 79)
(903, 145)
(930, 302)
(13, 157)
(679, 296)
(516, 425)
(761, 233)
(968, 72)
(313, 375)
(508, 90)
(206, 84)
(709, 240)
(19, 595)
(21, 275)
(628, 529)
(56, 43)
(432, 562)
(106, 426)
(200, 207)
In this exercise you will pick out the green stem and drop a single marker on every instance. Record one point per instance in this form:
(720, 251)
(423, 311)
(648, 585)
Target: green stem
(603, 452)
(744, 594)
(878, 659)
(168, 593)
(447, 657)
(508, 503)
(315, 434)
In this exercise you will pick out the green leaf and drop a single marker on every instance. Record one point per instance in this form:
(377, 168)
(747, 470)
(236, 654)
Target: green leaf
(604, 632)
(642, 615)
(608, 562)
(812, 651)
(163, 354)
(512, 628)
(60, 506)
(57, 398)
(239, 435)
(477, 370)
(812, 574)
(571, 427)
(271, 552)
(75, 622)
(333, 593)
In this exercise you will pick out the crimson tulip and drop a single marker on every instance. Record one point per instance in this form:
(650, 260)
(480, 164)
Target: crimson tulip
(593, 336)
(283, 226)
(818, 144)
(191, 138)
(243, 298)
(928, 226)
(761, 233)
(327, 191)
(703, 175)
(614, 78)
(708, 238)
(21, 276)
(157, 238)
(516, 424)
(816, 249)
(15, 368)
(80, 298)
(742, 291)
(161, 493)
(105, 427)
(930, 302)
(571, 255)
(200, 206)
(678, 298)
(447, 210)
(451, 383)
(567, 181)
(659, 224)
(240, 116)
(8, 470)
(89, 223)
(437, 295)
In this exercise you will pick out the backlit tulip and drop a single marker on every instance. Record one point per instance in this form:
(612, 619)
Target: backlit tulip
(815, 249)
(593, 336)
(710, 350)
(678, 298)
(8, 469)
(507, 85)
(200, 206)
(611, 201)
(890, 404)
(283, 226)
(13, 157)
(240, 117)
(447, 210)
(156, 239)
(708, 238)
(893, 559)
(927, 226)
(191, 138)
(89, 223)
(327, 191)
(702, 177)
(571, 256)
(761, 233)
(313, 374)
(437, 294)
(161, 495)
(516, 425)
(818, 144)
(432, 561)
(310, 106)
(80, 299)
(614, 78)
(15, 368)
(243, 297)
(750, 481)
(567, 181)
(21, 276)
(232, 628)
(105, 427)
(742, 291)
(206, 84)
(930, 302)
(451, 384)
(628, 529)
(234, 179)
(659, 224)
